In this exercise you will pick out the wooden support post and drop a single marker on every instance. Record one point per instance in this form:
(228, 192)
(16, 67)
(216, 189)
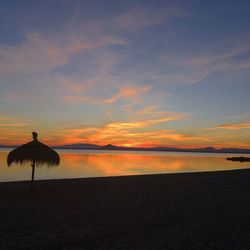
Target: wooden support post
(33, 175)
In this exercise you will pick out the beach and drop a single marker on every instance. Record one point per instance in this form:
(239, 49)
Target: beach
(167, 211)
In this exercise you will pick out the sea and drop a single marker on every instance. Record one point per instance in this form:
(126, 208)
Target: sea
(99, 163)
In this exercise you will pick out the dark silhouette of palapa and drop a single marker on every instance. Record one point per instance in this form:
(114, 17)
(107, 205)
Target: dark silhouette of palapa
(35, 152)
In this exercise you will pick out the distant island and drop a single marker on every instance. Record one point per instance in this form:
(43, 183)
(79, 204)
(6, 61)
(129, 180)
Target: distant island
(89, 146)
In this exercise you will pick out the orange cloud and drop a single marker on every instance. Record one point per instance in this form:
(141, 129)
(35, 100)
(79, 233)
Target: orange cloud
(6, 121)
(128, 93)
(131, 92)
(14, 130)
(233, 126)
(146, 110)
(125, 133)
(143, 124)
(133, 134)
(13, 135)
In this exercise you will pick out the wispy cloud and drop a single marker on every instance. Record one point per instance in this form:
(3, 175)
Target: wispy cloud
(128, 92)
(38, 53)
(13, 124)
(141, 18)
(193, 68)
(14, 130)
(233, 126)
(6, 121)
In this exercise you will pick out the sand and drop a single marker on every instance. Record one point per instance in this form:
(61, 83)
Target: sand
(168, 211)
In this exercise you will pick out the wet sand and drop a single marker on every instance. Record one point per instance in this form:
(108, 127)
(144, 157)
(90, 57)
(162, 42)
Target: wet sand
(168, 211)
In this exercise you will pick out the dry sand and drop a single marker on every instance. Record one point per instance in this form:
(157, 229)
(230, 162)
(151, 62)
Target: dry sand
(168, 211)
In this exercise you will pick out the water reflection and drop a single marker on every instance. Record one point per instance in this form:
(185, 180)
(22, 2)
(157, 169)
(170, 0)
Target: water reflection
(93, 163)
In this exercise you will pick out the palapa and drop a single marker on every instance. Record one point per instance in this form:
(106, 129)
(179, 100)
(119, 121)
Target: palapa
(34, 152)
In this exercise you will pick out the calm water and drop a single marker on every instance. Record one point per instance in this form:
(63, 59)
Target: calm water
(92, 163)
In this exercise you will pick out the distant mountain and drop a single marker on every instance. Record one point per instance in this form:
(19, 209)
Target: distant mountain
(235, 150)
(113, 147)
(79, 146)
(11, 146)
(206, 150)
(168, 149)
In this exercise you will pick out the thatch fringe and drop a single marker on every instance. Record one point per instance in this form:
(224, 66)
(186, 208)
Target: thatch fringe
(34, 152)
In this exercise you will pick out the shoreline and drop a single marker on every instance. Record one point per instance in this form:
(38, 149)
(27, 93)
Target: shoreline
(126, 176)
(204, 210)
(195, 150)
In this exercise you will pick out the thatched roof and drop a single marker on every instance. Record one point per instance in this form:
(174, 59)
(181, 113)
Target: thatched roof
(34, 152)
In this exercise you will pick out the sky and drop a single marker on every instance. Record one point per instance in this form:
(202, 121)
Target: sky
(130, 73)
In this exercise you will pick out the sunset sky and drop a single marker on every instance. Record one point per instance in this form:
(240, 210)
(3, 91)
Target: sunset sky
(130, 73)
